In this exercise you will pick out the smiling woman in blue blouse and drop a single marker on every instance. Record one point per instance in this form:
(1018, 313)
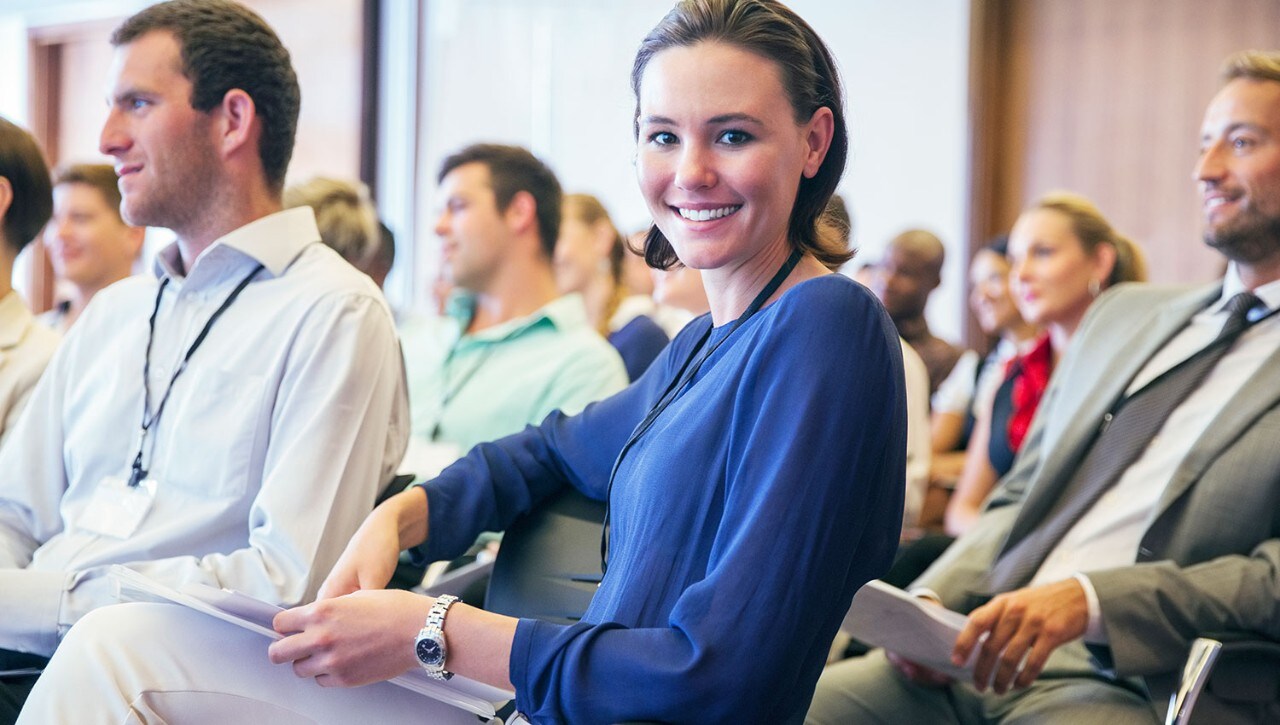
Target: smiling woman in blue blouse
(754, 474)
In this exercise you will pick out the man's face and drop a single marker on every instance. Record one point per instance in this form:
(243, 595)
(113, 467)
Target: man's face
(88, 243)
(903, 280)
(1239, 170)
(474, 235)
(164, 149)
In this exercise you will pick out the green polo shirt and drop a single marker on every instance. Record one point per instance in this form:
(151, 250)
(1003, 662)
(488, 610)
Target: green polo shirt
(467, 389)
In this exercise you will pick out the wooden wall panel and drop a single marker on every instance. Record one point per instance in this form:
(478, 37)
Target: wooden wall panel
(1106, 98)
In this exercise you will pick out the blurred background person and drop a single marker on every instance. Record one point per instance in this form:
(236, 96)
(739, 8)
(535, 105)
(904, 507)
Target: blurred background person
(26, 203)
(636, 275)
(680, 297)
(973, 381)
(589, 260)
(346, 217)
(384, 257)
(90, 245)
(909, 271)
(1064, 253)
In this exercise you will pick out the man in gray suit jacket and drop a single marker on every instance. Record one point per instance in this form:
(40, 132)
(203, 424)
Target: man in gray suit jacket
(1184, 540)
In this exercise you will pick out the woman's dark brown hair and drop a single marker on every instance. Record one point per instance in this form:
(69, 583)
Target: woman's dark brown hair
(770, 30)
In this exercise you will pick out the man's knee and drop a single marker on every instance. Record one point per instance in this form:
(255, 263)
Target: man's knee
(864, 690)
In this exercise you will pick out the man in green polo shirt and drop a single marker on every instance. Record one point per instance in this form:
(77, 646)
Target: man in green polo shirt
(512, 350)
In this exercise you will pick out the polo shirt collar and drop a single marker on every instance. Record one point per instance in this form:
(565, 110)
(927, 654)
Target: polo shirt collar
(562, 313)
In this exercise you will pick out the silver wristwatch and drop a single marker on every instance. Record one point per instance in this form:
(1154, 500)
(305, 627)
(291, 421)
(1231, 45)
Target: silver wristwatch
(430, 645)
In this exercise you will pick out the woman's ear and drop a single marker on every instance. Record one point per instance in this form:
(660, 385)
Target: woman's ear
(818, 133)
(1104, 264)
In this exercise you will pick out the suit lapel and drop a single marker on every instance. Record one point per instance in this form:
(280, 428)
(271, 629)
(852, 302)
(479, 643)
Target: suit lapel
(1088, 395)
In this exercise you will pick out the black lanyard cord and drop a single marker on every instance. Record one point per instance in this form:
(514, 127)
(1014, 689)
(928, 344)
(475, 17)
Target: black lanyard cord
(149, 419)
(688, 371)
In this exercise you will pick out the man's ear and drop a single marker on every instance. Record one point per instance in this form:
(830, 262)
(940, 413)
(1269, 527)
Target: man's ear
(236, 123)
(522, 213)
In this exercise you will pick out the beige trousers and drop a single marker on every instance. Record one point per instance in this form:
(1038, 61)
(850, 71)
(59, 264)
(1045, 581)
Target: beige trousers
(163, 663)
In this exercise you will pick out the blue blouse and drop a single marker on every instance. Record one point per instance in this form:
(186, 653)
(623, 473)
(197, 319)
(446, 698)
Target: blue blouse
(743, 521)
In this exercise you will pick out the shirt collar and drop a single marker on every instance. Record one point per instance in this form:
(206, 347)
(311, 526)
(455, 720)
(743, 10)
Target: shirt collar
(274, 241)
(15, 320)
(563, 313)
(1269, 293)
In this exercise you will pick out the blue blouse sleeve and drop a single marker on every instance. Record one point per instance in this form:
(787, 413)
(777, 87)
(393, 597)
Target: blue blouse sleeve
(812, 509)
(496, 482)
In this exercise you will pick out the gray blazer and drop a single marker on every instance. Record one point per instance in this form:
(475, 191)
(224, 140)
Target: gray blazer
(1209, 560)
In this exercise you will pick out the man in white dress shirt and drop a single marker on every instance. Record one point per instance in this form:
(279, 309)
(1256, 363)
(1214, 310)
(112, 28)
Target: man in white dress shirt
(1089, 595)
(230, 418)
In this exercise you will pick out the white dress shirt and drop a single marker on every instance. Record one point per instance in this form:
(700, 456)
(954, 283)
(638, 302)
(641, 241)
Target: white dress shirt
(1108, 534)
(275, 441)
(25, 350)
(919, 450)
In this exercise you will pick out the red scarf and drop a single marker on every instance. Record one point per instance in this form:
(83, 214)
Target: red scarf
(1032, 369)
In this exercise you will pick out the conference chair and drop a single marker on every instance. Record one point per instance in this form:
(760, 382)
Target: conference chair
(549, 565)
(1228, 679)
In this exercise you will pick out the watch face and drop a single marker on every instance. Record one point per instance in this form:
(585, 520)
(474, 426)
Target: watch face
(429, 652)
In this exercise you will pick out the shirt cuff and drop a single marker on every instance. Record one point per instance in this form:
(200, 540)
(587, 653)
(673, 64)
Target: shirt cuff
(1096, 632)
(30, 601)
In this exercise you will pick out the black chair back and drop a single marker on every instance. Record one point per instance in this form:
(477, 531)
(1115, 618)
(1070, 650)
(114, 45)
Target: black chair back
(549, 565)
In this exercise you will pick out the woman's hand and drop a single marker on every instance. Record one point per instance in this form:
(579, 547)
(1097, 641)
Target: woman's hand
(370, 558)
(351, 640)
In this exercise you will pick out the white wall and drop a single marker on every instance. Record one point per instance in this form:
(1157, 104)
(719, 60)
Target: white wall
(905, 69)
(554, 76)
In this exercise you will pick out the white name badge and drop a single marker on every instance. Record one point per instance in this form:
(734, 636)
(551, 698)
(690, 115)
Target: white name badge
(117, 509)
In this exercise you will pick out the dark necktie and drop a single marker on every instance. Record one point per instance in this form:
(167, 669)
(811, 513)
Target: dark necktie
(1124, 435)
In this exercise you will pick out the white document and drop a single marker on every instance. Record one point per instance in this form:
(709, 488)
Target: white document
(256, 615)
(918, 629)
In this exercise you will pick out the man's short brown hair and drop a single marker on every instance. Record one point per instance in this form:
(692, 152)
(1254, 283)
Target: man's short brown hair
(101, 177)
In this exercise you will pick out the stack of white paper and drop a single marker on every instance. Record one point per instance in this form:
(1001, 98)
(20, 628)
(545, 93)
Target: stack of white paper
(922, 631)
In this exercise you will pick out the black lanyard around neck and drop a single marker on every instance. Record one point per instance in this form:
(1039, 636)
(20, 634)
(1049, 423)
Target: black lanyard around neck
(688, 371)
(149, 419)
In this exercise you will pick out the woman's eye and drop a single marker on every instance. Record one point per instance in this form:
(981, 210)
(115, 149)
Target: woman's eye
(662, 138)
(735, 138)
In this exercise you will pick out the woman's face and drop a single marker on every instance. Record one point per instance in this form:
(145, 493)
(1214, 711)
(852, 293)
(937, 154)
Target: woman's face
(1051, 271)
(720, 155)
(991, 299)
(576, 259)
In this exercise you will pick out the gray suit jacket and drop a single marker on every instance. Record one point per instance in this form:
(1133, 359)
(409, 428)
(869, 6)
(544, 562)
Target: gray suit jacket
(1210, 557)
